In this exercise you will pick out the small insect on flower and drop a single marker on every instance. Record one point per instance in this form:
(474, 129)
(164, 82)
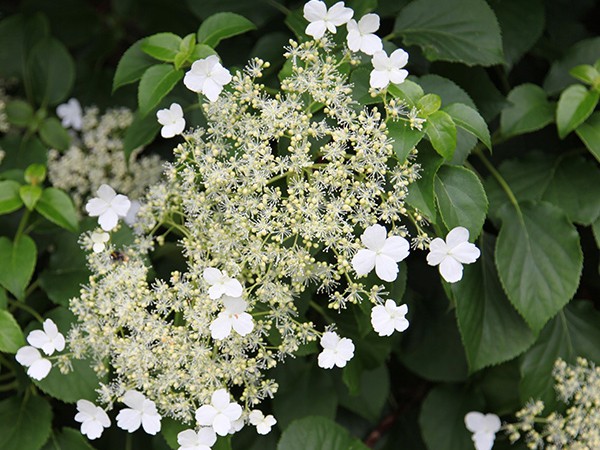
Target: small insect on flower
(119, 257)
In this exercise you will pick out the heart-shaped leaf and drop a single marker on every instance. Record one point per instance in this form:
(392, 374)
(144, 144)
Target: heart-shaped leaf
(17, 260)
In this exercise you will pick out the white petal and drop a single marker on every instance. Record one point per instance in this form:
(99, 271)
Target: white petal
(108, 220)
(220, 399)
(194, 82)
(39, 339)
(329, 340)
(474, 421)
(316, 29)
(27, 355)
(492, 423)
(371, 44)
(315, 10)
(396, 247)
(234, 305)
(39, 369)
(98, 248)
(369, 23)
(374, 237)
(381, 321)
(129, 419)
(106, 193)
(380, 61)
(134, 399)
(151, 423)
(386, 268)
(233, 288)
(212, 275)
(220, 328)
(96, 207)
(233, 411)
(86, 407)
(338, 14)
(120, 205)
(187, 438)
(352, 27)
(211, 89)
(398, 58)
(206, 436)
(59, 342)
(91, 429)
(326, 359)
(354, 40)
(483, 440)
(216, 291)
(345, 352)
(221, 425)
(457, 236)
(50, 328)
(451, 270)
(255, 417)
(379, 79)
(243, 324)
(398, 76)
(437, 252)
(205, 415)
(176, 110)
(465, 253)
(221, 75)
(364, 261)
(163, 116)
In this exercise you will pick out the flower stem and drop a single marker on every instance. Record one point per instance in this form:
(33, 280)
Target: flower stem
(314, 305)
(25, 307)
(9, 387)
(22, 224)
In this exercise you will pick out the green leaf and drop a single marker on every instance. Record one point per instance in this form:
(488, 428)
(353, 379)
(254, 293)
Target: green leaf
(222, 26)
(11, 336)
(420, 193)
(500, 387)
(583, 52)
(54, 135)
(404, 138)
(170, 429)
(201, 51)
(484, 314)
(30, 195)
(66, 270)
(429, 103)
(373, 388)
(575, 189)
(435, 351)
(539, 260)
(522, 24)
(10, 200)
(454, 30)
(304, 390)
(17, 260)
(441, 130)
(409, 91)
(56, 206)
(19, 112)
(469, 119)
(186, 48)
(141, 132)
(52, 72)
(82, 381)
(574, 332)
(586, 73)
(132, 66)
(575, 105)
(318, 433)
(360, 81)
(25, 424)
(68, 439)
(442, 418)
(528, 110)
(461, 199)
(3, 299)
(162, 46)
(155, 84)
(35, 174)
(589, 133)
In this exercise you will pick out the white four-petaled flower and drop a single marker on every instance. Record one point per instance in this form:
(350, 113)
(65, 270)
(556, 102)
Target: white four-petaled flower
(388, 69)
(336, 351)
(262, 423)
(70, 114)
(389, 317)
(207, 76)
(38, 366)
(49, 340)
(361, 35)
(451, 254)
(99, 241)
(382, 253)
(203, 439)
(221, 284)
(108, 207)
(234, 316)
(220, 414)
(93, 419)
(322, 19)
(171, 119)
(484, 428)
(141, 411)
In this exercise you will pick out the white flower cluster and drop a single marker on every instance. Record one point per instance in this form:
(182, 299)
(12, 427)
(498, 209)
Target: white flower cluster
(577, 427)
(96, 155)
(266, 204)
